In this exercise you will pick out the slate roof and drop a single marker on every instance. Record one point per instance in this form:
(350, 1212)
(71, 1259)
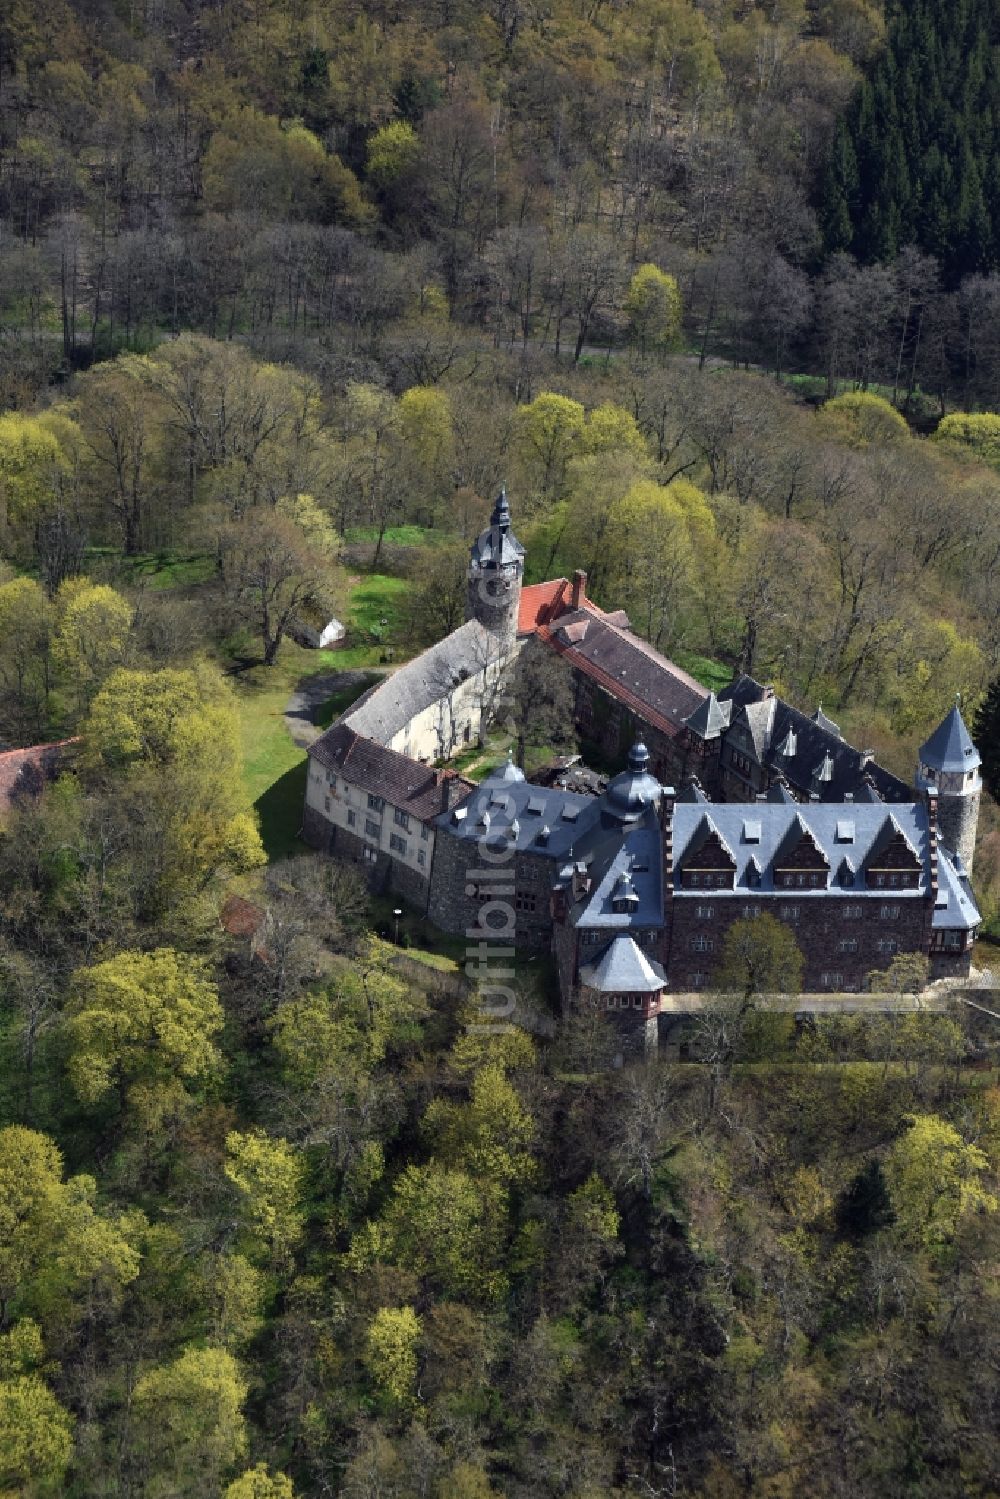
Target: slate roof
(497, 546)
(822, 762)
(608, 853)
(25, 772)
(623, 968)
(656, 690)
(774, 824)
(386, 708)
(710, 718)
(518, 812)
(955, 907)
(403, 782)
(950, 747)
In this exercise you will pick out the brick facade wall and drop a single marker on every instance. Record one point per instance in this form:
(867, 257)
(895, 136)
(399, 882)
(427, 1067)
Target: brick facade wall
(819, 930)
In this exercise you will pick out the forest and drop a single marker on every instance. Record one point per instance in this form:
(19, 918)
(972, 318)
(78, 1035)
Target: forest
(287, 291)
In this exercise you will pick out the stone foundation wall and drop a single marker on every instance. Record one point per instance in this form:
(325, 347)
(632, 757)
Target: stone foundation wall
(384, 874)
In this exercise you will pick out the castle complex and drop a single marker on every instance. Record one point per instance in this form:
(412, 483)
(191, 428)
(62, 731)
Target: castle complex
(728, 806)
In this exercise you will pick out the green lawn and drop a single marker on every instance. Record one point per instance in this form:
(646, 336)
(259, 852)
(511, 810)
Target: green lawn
(375, 598)
(711, 674)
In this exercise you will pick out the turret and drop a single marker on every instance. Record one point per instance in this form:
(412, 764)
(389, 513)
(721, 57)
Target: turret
(949, 762)
(496, 568)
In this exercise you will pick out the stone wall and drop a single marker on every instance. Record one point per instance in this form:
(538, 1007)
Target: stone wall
(522, 882)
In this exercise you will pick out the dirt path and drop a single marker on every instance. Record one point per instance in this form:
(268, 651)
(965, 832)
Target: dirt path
(312, 692)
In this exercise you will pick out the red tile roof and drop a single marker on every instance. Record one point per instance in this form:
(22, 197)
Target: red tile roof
(241, 918)
(540, 602)
(24, 772)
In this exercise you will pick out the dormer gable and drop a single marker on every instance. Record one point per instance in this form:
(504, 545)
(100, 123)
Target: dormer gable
(799, 862)
(707, 863)
(892, 863)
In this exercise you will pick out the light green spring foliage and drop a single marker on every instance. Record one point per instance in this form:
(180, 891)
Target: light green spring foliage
(36, 1438)
(861, 418)
(177, 730)
(976, 433)
(653, 308)
(490, 1136)
(444, 1226)
(141, 1018)
(314, 523)
(391, 153)
(191, 1418)
(92, 635)
(22, 1350)
(391, 1353)
(34, 452)
(268, 1174)
(259, 1483)
(56, 1246)
(591, 1209)
(554, 433)
(934, 1179)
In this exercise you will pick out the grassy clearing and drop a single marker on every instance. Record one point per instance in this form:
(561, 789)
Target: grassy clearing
(711, 674)
(159, 570)
(376, 606)
(404, 536)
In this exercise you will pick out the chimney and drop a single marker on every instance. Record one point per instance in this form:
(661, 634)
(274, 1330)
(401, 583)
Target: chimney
(452, 789)
(579, 588)
(766, 692)
(867, 756)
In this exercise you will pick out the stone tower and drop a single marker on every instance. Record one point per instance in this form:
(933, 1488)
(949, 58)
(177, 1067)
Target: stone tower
(950, 761)
(496, 568)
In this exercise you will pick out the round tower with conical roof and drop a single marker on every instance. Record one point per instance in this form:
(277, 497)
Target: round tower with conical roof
(950, 762)
(496, 568)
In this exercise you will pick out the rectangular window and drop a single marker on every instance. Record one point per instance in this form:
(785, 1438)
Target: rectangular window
(888, 913)
(372, 828)
(352, 818)
(704, 913)
(375, 803)
(697, 981)
(701, 943)
(791, 913)
(326, 803)
(400, 819)
(421, 857)
(853, 913)
(331, 780)
(831, 980)
(397, 844)
(848, 944)
(370, 855)
(423, 831)
(525, 901)
(750, 913)
(887, 945)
